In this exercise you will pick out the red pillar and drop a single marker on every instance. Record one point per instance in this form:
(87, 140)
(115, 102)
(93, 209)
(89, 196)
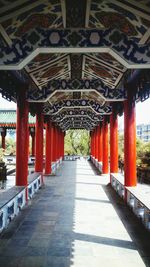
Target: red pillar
(130, 141)
(48, 156)
(3, 134)
(91, 143)
(53, 144)
(39, 140)
(113, 142)
(105, 146)
(22, 141)
(63, 144)
(100, 143)
(58, 142)
(96, 142)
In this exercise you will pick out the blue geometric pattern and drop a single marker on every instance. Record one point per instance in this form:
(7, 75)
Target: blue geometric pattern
(77, 123)
(97, 108)
(77, 113)
(97, 84)
(116, 41)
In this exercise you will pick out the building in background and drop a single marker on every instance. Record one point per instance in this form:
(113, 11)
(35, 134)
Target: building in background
(143, 132)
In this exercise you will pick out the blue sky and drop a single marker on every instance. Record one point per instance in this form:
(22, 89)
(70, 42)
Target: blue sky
(142, 110)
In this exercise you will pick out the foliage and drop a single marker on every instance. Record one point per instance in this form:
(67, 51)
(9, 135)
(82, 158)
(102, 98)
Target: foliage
(1, 154)
(121, 146)
(142, 151)
(77, 142)
(10, 146)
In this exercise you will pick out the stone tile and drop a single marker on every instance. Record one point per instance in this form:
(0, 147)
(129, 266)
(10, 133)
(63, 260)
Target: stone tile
(10, 261)
(76, 220)
(19, 242)
(59, 251)
(14, 251)
(29, 261)
(57, 262)
(35, 251)
(3, 243)
(39, 242)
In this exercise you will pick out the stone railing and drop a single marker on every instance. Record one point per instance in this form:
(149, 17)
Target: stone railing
(136, 198)
(75, 157)
(13, 200)
(97, 164)
(12, 160)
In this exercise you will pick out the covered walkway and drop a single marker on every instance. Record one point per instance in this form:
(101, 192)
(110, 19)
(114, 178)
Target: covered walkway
(76, 219)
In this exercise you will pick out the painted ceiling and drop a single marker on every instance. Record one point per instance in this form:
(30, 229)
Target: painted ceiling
(123, 23)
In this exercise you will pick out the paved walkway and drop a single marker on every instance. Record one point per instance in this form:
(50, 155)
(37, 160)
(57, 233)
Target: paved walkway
(75, 220)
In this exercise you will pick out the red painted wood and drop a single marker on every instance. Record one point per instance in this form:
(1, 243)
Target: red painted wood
(39, 140)
(48, 156)
(105, 146)
(113, 143)
(22, 141)
(91, 143)
(100, 143)
(63, 144)
(53, 143)
(96, 142)
(130, 142)
(58, 145)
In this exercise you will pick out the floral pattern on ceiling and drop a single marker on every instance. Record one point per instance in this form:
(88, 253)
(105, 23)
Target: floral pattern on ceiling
(58, 96)
(120, 16)
(104, 67)
(47, 14)
(46, 67)
(90, 95)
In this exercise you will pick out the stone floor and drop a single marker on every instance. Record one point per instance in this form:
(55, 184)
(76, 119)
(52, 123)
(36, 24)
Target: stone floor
(76, 219)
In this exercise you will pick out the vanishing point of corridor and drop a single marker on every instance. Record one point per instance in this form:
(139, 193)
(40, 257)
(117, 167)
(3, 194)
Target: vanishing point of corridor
(75, 220)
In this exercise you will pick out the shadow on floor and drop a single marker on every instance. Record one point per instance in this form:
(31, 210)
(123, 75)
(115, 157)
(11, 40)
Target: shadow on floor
(133, 225)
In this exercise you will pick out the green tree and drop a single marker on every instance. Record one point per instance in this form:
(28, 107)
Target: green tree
(77, 142)
(10, 146)
(142, 151)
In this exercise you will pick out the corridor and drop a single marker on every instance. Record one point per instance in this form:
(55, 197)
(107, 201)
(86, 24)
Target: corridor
(75, 220)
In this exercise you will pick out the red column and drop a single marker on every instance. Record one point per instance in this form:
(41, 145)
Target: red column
(39, 140)
(22, 140)
(48, 156)
(130, 141)
(96, 142)
(53, 144)
(91, 143)
(105, 146)
(113, 142)
(100, 144)
(3, 134)
(32, 133)
(58, 143)
(63, 144)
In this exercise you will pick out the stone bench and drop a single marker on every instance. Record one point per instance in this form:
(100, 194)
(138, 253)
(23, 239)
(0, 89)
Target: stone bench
(135, 196)
(34, 183)
(11, 202)
(14, 199)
